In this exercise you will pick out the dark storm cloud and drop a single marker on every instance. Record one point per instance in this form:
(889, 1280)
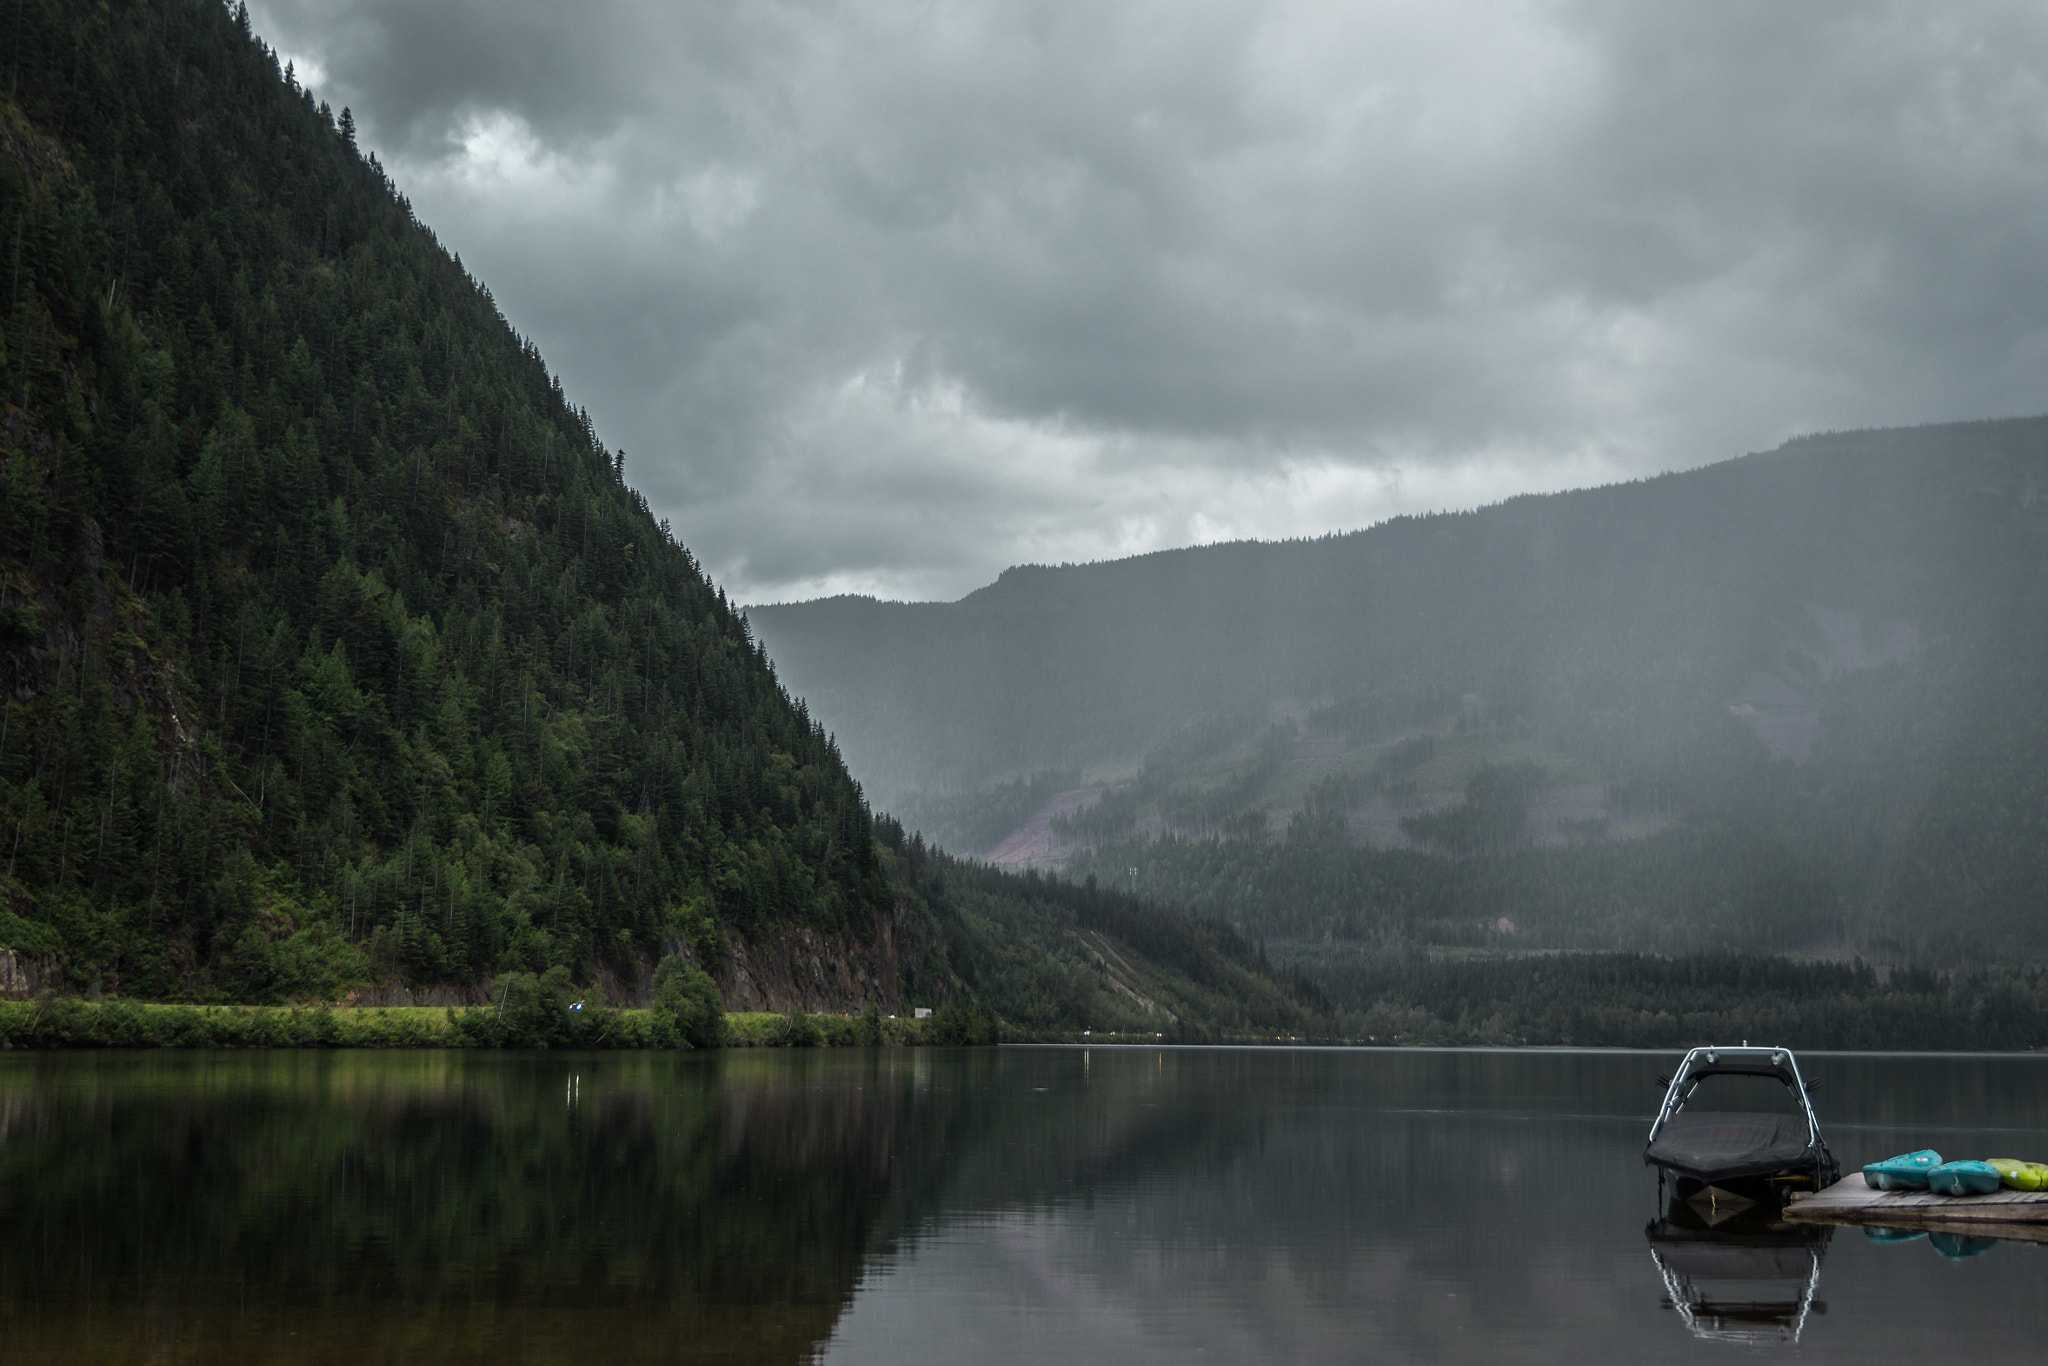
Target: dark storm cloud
(890, 296)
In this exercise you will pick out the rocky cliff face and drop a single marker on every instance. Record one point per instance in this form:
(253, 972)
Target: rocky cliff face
(22, 976)
(798, 969)
(843, 972)
(897, 963)
(806, 969)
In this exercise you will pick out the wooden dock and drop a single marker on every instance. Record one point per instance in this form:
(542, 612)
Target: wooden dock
(2021, 1215)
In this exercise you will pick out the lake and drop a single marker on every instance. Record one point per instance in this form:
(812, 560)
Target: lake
(958, 1206)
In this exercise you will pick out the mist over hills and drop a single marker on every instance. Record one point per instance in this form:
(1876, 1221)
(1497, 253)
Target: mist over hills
(1790, 702)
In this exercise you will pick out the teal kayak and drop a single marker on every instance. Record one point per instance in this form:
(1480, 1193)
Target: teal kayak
(1906, 1172)
(1894, 1235)
(1954, 1245)
(1963, 1178)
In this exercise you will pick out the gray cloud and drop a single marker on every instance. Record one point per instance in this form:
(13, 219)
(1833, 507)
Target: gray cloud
(888, 296)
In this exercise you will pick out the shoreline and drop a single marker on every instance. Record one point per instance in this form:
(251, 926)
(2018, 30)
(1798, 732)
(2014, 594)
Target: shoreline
(55, 1024)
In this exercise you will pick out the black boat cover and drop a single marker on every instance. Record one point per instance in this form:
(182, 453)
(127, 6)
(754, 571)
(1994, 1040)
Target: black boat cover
(1743, 1064)
(1714, 1148)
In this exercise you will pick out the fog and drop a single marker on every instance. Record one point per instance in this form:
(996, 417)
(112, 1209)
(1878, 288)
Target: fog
(1774, 703)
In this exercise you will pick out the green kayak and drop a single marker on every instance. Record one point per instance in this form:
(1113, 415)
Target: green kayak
(2016, 1175)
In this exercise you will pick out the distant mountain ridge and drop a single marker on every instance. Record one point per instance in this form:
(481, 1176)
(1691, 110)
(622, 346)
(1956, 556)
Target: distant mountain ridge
(1834, 646)
(1862, 523)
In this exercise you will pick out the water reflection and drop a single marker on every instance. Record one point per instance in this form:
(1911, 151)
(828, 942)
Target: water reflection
(1738, 1275)
(1113, 1206)
(456, 1207)
(1947, 1244)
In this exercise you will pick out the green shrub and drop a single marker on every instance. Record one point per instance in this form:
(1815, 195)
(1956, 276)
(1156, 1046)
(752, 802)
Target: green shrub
(798, 1030)
(867, 1030)
(531, 1012)
(687, 995)
(958, 1023)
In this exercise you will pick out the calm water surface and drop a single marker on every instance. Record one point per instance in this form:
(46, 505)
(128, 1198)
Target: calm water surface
(957, 1206)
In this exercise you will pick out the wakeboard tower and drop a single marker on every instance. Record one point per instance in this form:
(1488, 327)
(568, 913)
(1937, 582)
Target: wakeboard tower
(1752, 1154)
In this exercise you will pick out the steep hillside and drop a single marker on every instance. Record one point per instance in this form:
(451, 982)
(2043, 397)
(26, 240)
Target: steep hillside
(338, 654)
(334, 635)
(1787, 702)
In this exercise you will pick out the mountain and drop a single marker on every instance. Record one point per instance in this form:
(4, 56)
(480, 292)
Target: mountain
(340, 657)
(1790, 702)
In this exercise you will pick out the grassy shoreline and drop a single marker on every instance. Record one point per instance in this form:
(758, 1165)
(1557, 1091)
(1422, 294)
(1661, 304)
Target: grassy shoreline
(54, 1023)
(51, 1023)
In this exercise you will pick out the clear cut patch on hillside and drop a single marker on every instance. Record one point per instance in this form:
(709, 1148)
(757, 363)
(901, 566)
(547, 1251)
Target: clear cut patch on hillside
(1846, 646)
(1783, 716)
(1033, 844)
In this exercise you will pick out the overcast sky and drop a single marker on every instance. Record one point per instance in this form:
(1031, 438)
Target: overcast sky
(883, 297)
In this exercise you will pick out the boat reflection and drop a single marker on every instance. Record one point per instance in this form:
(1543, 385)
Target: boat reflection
(1738, 1274)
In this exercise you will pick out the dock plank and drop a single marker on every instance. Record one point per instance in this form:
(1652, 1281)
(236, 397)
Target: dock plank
(2017, 1214)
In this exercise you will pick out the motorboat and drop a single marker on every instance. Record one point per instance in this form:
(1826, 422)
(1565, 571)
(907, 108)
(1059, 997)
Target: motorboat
(1751, 1154)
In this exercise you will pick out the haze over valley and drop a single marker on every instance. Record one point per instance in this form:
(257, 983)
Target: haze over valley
(1788, 702)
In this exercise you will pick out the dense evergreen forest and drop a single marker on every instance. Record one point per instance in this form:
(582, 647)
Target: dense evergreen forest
(333, 633)
(338, 651)
(1618, 1000)
(1049, 953)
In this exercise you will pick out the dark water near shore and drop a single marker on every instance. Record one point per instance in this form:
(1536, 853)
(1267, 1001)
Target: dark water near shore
(955, 1206)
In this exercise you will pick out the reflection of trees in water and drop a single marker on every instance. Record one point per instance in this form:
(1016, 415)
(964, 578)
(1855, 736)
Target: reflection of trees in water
(1288, 1205)
(625, 1205)
(649, 1203)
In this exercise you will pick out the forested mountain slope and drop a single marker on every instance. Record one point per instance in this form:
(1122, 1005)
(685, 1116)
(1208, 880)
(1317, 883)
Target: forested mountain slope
(1792, 701)
(336, 651)
(324, 609)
